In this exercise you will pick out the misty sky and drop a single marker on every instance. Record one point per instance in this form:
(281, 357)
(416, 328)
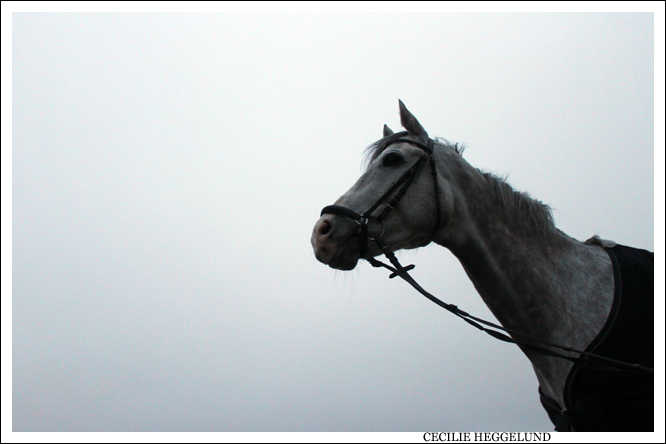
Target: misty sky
(167, 170)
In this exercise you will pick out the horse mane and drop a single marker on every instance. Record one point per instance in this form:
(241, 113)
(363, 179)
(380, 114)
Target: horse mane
(518, 207)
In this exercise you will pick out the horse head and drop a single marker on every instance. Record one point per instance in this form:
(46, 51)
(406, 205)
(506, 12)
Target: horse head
(396, 198)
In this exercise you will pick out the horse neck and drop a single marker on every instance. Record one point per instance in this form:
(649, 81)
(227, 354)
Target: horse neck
(534, 278)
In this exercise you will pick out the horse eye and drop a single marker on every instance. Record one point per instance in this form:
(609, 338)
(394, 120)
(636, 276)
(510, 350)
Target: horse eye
(393, 159)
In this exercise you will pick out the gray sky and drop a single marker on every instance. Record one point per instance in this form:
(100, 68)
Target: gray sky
(168, 170)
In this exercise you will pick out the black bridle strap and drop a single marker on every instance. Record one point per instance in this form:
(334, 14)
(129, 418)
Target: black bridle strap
(407, 179)
(411, 176)
(413, 172)
(429, 149)
(344, 211)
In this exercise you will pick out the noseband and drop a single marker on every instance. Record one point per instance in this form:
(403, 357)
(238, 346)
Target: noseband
(406, 180)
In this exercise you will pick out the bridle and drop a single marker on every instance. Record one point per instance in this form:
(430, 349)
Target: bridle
(410, 177)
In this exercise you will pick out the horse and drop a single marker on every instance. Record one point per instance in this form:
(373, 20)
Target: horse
(592, 299)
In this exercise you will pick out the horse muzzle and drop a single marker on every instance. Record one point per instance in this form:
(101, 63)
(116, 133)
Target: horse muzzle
(338, 242)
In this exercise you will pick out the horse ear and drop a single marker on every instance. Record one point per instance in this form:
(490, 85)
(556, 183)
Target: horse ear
(387, 131)
(410, 123)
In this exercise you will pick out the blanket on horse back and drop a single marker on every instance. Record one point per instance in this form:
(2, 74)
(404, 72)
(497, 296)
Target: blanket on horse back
(602, 398)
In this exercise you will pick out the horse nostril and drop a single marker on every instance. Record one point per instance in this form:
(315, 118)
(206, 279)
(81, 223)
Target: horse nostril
(324, 228)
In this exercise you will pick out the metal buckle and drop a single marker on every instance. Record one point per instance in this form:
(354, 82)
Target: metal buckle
(372, 236)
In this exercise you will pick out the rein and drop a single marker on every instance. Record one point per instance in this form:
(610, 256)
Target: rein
(411, 176)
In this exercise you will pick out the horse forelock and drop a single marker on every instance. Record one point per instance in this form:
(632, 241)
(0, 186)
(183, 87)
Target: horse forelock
(373, 151)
